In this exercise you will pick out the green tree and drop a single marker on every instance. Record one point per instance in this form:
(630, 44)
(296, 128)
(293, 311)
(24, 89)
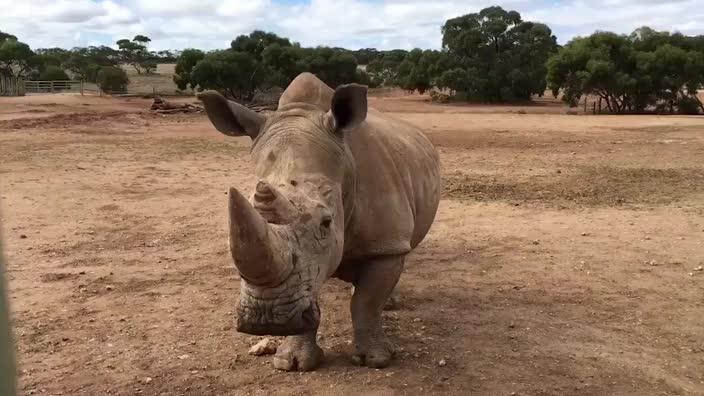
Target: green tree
(16, 58)
(419, 70)
(383, 70)
(284, 62)
(603, 64)
(506, 55)
(645, 70)
(53, 73)
(234, 73)
(255, 43)
(85, 63)
(262, 60)
(112, 79)
(332, 66)
(184, 66)
(134, 53)
(6, 36)
(364, 56)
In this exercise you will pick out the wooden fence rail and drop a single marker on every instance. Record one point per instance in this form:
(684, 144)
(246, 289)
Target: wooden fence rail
(53, 86)
(11, 86)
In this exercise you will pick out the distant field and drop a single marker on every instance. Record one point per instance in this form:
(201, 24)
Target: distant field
(160, 82)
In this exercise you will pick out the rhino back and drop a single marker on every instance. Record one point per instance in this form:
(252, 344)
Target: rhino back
(397, 189)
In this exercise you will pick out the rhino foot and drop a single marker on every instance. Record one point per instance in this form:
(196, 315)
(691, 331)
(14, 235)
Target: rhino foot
(375, 355)
(298, 353)
(393, 303)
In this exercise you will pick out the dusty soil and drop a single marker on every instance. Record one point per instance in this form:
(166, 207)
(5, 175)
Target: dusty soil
(562, 261)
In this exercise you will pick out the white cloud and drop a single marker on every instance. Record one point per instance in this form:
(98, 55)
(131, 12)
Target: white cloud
(385, 24)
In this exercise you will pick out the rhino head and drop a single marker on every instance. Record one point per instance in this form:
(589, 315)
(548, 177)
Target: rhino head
(288, 238)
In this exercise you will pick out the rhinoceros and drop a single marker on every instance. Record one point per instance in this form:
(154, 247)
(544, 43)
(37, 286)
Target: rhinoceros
(343, 191)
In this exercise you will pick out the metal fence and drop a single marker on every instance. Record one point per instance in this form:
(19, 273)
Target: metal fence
(11, 86)
(53, 86)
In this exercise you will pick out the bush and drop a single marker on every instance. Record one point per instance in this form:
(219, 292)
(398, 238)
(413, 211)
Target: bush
(112, 79)
(53, 73)
(687, 105)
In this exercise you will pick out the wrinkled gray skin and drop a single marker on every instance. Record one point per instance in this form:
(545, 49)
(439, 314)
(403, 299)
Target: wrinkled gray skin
(343, 191)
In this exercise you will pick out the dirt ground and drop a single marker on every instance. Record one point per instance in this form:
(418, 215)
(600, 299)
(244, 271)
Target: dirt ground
(564, 258)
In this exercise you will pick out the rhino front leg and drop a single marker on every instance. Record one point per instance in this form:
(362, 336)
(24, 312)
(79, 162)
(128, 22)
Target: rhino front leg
(392, 303)
(375, 283)
(300, 352)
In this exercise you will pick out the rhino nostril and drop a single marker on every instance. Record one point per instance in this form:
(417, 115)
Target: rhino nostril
(264, 193)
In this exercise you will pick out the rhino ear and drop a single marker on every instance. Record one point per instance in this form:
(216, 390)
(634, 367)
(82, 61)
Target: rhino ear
(231, 118)
(349, 106)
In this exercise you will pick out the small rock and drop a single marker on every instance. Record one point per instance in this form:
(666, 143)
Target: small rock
(585, 234)
(573, 153)
(109, 287)
(512, 325)
(263, 347)
(442, 363)
(700, 268)
(148, 380)
(23, 236)
(536, 242)
(417, 320)
(681, 238)
(184, 356)
(194, 371)
(647, 238)
(559, 171)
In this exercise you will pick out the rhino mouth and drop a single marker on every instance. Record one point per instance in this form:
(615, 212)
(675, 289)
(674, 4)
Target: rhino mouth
(260, 313)
(262, 321)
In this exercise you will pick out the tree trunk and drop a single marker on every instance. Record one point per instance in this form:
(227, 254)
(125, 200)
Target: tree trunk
(701, 105)
(608, 104)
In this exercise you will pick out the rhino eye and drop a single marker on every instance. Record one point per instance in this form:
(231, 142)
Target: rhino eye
(326, 222)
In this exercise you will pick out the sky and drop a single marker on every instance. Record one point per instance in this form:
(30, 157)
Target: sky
(383, 24)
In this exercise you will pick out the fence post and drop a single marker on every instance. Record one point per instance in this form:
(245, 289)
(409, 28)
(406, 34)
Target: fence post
(52, 87)
(81, 87)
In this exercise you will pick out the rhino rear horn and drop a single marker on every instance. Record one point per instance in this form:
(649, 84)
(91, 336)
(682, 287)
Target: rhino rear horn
(259, 252)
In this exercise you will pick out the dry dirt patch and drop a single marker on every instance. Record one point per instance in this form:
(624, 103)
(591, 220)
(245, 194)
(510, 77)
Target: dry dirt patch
(583, 186)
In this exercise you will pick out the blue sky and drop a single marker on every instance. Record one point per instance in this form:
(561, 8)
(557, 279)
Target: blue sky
(210, 24)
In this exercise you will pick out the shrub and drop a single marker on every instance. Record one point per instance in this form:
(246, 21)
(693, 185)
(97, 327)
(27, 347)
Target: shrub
(53, 73)
(112, 79)
(687, 105)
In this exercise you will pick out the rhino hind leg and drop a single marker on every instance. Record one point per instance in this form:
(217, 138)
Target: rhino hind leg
(299, 353)
(374, 287)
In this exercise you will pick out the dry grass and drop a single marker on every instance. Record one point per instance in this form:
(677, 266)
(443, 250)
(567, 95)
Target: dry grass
(584, 186)
(160, 82)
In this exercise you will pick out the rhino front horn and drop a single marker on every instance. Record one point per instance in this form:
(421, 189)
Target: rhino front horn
(258, 250)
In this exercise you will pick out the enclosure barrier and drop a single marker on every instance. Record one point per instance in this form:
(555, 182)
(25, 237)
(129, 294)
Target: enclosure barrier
(53, 86)
(11, 86)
